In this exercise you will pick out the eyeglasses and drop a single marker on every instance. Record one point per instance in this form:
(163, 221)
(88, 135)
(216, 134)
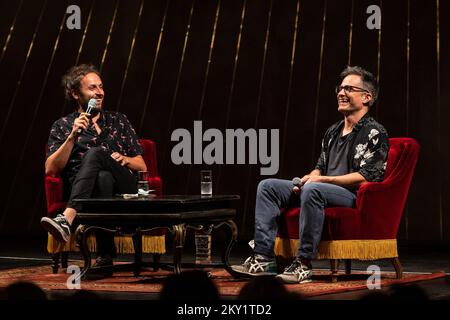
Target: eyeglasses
(349, 89)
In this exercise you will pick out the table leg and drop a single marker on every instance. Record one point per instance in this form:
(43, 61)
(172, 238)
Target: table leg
(137, 243)
(233, 239)
(179, 232)
(81, 236)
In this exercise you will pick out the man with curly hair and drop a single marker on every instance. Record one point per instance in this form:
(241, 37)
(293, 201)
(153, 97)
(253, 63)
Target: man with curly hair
(96, 154)
(354, 151)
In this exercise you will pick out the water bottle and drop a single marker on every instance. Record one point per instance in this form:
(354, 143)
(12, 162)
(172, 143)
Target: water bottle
(203, 246)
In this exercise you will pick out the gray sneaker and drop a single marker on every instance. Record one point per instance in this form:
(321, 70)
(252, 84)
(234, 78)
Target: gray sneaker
(58, 227)
(256, 266)
(297, 272)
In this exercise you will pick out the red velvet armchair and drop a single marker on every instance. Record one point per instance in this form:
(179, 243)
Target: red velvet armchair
(153, 242)
(368, 231)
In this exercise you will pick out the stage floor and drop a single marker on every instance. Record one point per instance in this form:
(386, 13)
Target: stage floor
(22, 252)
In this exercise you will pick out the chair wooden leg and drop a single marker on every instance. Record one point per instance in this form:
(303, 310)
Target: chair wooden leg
(55, 262)
(64, 258)
(137, 242)
(334, 269)
(348, 266)
(156, 260)
(398, 267)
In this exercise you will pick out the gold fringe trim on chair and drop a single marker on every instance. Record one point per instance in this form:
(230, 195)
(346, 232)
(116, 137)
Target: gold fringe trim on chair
(285, 247)
(358, 249)
(342, 249)
(124, 244)
(54, 246)
(92, 243)
(150, 244)
(154, 244)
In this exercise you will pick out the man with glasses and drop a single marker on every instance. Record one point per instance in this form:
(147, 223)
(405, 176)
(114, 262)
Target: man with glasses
(354, 151)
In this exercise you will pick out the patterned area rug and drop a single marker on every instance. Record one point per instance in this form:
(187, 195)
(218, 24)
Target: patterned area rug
(151, 282)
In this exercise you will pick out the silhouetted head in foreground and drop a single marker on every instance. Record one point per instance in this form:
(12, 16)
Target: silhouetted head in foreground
(22, 290)
(192, 285)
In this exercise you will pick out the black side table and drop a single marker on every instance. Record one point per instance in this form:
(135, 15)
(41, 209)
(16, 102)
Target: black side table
(137, 216)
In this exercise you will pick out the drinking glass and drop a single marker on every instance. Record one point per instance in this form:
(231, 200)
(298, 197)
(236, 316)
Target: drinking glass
(143, 188)
(206, 182)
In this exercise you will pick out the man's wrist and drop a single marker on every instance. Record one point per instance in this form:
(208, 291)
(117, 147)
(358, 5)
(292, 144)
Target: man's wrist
(71, 137)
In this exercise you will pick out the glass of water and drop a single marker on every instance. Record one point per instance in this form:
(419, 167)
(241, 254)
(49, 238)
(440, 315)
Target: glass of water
(143, 188)
(203, 245)
(206, 182)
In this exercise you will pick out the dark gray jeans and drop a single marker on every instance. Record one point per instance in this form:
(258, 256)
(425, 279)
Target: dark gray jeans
(274, 194)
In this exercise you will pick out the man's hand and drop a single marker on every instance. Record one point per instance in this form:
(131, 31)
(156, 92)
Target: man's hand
(349, 179)
(81, 122)
(310, 178)
(123, 160)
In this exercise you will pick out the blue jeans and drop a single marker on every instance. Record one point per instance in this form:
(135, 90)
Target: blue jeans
(273, 194)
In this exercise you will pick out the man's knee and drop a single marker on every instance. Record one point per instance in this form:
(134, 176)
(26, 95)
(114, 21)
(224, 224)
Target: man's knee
(310, 191)
(266, 184)
(94, 154)
(105, 177)
(104, 185)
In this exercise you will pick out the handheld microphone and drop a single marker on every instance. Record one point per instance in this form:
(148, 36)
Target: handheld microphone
(297, 182)
(91, 108)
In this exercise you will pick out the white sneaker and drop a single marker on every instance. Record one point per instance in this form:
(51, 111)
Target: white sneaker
(256, 266)
(297, 272)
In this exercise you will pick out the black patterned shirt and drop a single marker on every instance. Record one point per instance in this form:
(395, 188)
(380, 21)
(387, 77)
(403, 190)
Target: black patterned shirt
(117, 135)
(368, 151)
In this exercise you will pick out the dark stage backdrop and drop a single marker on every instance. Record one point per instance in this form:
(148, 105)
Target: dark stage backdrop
(232, 64)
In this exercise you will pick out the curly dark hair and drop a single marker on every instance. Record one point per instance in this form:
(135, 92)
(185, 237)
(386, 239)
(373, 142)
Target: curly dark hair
(369, 81)
(71, 80)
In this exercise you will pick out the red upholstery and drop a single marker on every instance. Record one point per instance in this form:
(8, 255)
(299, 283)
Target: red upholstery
(54, 195)
(152, 165)
(54, 185)
(379, 205)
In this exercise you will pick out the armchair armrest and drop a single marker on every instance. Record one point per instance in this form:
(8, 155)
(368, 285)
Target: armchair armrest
(156, 184)
(149, 156)
(150, 159)
(381, 207)
(53, 190)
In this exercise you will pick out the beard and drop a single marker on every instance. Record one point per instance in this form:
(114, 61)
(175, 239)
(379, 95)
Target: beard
(84, 105)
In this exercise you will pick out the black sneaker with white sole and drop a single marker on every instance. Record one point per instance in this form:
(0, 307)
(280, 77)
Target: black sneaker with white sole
(58, 227)
(103, 268)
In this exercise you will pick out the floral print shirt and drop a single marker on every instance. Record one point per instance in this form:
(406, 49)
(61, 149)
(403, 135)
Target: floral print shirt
(117, 135)
(368, 153)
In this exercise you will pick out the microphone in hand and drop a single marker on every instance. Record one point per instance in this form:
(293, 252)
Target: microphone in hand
(298, 184)
(91, 108)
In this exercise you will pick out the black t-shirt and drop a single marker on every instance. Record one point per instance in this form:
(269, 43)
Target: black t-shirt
(338, 163)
